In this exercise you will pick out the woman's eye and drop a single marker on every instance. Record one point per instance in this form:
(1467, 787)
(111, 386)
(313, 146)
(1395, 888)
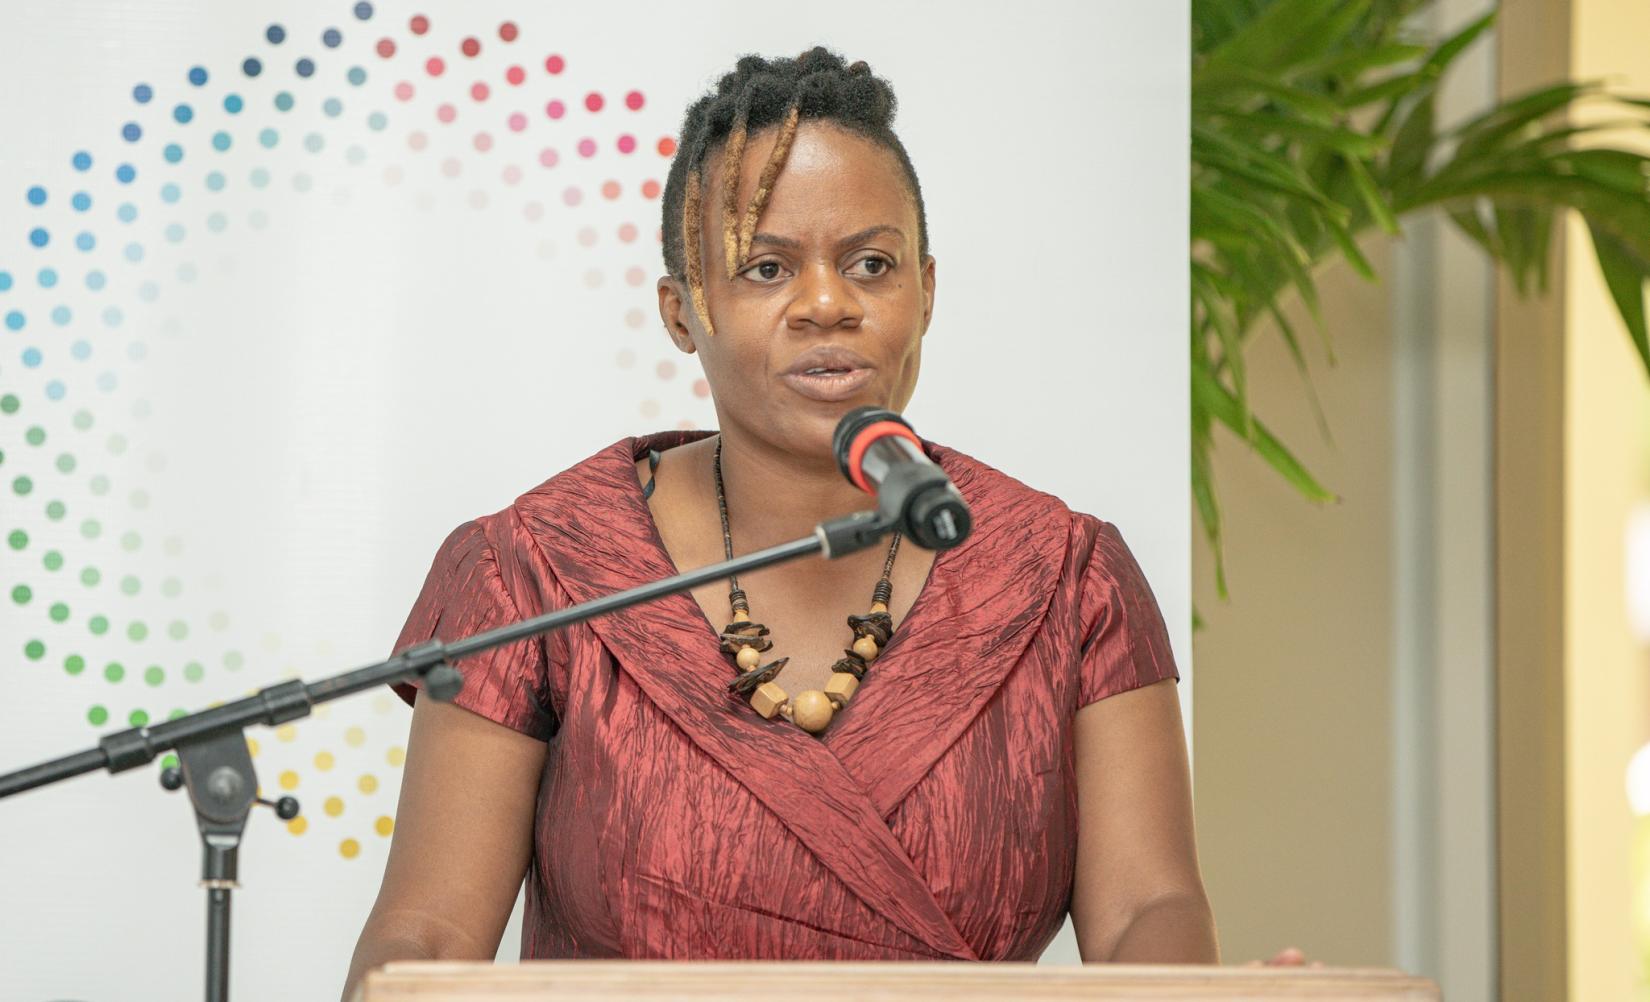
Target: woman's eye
(767, 271)
(875, 266)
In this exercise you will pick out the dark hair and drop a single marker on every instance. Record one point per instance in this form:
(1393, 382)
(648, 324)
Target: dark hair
(758, 93)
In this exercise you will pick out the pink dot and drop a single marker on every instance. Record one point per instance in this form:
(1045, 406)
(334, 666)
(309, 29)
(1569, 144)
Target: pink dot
(555, 109)
(419, 24)
(627, 144)
(386, 47)
(635, 276)
(483, 142)
(633, 100)
(593, 101)
(508, 31)
(434, 66)
(548, 157)
(403, 91)
(555, 64)
(650, 189)
(701, 388)
(512, 174)
(417, 140)
(470, 47)
(451, 167)
(532, 210)
(627, 232)
(572, 196)
(446, 113)
(587, 147)
(610, 190)
(515, 75)
(666, 369)
(479, 91)
(667, 146)
(518, 121)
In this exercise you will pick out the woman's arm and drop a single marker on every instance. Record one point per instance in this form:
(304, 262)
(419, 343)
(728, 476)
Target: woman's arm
(1138, 895)
(463, 835)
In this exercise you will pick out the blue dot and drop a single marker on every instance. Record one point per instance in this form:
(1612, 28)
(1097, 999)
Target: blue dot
(95, 280)
(183, 113)
(173, 153)
(275, 33)
(130, 132)
(214, 181)
(283, 101)
(220, 141)
(216, 222)
(376, 121)
(36, 195)
(81, 350)
(85, 241)
(252, 67)
(304, 67)
(82, 161)
(60, 315)
(142, 93)
(54, 390)
(148, 292)
(134, 252)
(331, 107)
(31, 357)
(233, 104)
(106, 381)
(5, 280)
(47, 277)
(357, 76)
(197, 75)
(14, 320)
(268, 138)
(125, 173)
(169, 193)
(260, 177)
(112, 316)
(312, 142)
(39, 237)
(127, 212)
(81, 201)
(363, 10)
(174, 232)
(330, 38)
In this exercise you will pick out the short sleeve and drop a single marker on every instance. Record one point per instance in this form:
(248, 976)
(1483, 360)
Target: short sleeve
(464, 594)
(1124, 644)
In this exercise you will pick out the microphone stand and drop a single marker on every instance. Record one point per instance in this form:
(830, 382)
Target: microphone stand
(216, 766)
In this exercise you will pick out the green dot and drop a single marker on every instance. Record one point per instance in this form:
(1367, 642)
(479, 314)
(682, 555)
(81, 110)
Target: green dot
(91, 528)
(35, 435)
(97, 716)
(59, 612)
(34, 650)
(98, 625)
(18, 539)
(136, 630)
(82, 419)
(154, 674)
(130, 541)
(55, 510)
(74, 664)
(171, 587)
(90, 577)
(138, 718)
(177, 629)
(233, 660)
(65, 463)
(21, 594)
(117, 443)
(193, 671)
(176, 713)
(53, 560)
(22, 485)
(114, 671)
(129, 585)
(9, 404)
(169, 761)
(99, 484)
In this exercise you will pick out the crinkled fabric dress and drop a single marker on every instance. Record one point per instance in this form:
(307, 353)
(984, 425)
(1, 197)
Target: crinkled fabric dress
(937, 817)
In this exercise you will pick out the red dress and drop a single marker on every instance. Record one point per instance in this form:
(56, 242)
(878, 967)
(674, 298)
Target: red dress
(937, 817)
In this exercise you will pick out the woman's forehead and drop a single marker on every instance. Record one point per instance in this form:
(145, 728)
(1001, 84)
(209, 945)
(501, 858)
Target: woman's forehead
(832, 176)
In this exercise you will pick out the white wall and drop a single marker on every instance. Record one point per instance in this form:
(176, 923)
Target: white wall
(273, 415)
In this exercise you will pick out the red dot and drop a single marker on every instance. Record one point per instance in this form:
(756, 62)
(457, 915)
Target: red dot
(555, 64)
(633, 100)
(667, 146)
(555, 109)
(548, 157)
(515, 75)
(610, 189)
(508, 31)
(478, 90)
(593, 101)
(419, 24)
(517, 121)
(701, 388)
(434, 66)
(650, 189)
(445, 113)
(627, 232)
(470, 47)
(483, 142)
(403, 91)
(587, 147)
(386, 48)
(666, 368)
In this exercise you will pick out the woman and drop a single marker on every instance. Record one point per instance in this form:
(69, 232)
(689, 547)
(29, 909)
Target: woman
(1010, 744)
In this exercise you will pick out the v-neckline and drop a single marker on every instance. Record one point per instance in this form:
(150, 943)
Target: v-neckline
(638, 446)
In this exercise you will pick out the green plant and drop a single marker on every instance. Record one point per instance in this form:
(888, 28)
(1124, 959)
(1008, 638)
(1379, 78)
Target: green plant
(1314, 120)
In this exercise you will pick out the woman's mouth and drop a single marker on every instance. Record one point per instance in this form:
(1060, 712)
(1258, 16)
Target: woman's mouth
(828, 384)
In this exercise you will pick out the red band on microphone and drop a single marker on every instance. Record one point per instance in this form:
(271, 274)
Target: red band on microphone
(870, 433)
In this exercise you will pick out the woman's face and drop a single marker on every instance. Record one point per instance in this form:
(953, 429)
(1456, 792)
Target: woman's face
(834, 282)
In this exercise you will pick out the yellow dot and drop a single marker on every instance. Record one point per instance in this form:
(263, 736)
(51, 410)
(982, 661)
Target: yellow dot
(368, 783)
(323, 760)
(355, 737)
(349, 848)
(396, 755)
(298, 825)
(333, 807)
(286, 732)
(384, 825)
(252, 746)
(289, 780)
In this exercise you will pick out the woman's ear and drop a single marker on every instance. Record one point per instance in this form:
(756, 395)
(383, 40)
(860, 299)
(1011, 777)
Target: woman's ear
(927, 291)
(677, 314)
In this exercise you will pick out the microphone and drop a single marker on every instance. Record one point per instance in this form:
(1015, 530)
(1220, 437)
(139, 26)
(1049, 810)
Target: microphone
(879, 453)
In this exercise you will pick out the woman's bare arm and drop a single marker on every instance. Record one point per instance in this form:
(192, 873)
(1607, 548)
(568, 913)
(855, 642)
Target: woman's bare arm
(463, 834)
(1138, 895)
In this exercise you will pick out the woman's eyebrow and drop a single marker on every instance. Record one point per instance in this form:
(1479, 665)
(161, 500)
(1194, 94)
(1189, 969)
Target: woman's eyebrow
(788, 243)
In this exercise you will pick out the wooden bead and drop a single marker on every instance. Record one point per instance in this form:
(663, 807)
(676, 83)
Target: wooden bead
(741, 616)
(812, 711)
(866, 648)
(841, 688)
(767, 699)
(879, 606)
(748, 658)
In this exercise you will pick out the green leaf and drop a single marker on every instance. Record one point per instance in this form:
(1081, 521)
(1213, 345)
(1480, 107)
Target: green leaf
(1624, 273)
(1220, 403)
(1373, 200)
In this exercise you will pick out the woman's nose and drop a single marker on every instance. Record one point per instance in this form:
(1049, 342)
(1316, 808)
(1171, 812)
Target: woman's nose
(824, 298)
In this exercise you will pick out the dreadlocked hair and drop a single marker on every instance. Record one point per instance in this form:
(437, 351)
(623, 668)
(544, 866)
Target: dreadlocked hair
(761, 93)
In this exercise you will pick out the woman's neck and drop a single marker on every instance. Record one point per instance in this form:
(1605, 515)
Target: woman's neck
(775, 495)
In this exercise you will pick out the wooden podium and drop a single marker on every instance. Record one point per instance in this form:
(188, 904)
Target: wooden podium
(613, 981)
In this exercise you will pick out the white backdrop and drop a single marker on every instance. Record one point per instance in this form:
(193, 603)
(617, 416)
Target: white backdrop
(260, 324)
